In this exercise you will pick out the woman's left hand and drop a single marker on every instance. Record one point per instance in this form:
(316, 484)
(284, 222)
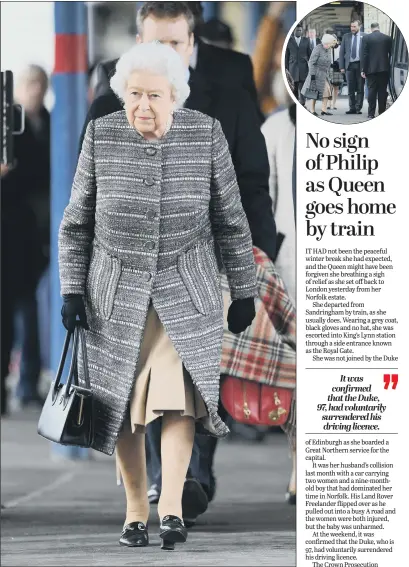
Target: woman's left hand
(240, 315)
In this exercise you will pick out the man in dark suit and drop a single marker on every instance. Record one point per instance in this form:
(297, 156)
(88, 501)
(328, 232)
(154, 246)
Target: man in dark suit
(376, 56)
(350, 61)
(313, 39)
(172, 23)
(296, 60)
(222, 65)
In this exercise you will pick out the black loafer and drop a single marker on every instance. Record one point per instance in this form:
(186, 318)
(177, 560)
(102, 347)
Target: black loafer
(134, 534)
(350, 112)
(172, 530)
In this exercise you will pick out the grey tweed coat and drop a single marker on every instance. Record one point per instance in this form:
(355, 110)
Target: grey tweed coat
(319, 65)
(141, 225)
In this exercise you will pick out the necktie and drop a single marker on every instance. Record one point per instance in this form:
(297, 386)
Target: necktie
(353, 50)
(312, 44)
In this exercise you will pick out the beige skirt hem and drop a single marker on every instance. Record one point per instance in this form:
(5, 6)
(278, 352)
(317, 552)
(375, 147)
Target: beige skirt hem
(162, 382)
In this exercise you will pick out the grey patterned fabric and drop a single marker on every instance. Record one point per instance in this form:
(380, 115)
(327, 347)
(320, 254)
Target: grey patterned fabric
(318, 65)
(142, 224)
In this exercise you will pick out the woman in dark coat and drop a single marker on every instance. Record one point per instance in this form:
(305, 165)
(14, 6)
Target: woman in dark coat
(318, 73)
(154, 193)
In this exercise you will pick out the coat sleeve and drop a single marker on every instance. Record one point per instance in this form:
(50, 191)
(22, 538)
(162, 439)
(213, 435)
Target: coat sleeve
(250, 161)
(229, 222)
(287, 57)
(77, 226)
(364, 55)
(312, 63)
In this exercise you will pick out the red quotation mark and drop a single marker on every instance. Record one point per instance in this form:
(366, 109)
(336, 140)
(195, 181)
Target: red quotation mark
(388, 378)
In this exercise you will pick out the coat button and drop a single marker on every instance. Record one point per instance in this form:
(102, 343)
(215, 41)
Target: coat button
(150, 245)
(149, 181)
(150, 215)
(147, 276)
(151, 151)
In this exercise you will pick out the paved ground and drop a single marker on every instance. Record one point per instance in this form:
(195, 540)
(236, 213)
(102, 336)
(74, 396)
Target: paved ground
(71, 514)
(339, 116)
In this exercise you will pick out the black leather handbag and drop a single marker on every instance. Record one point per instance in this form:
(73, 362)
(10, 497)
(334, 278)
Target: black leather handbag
(312, 92)
(67, 416)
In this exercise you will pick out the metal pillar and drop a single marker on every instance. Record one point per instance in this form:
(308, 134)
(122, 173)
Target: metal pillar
(68, 115)
(209, 10)
(252, 20)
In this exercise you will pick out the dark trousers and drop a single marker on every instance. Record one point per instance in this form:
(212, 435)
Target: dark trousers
(297, 88)
(7, 336)
(355, 86)
(377, 85)
(201, 462)
(26, 319)
(20, 313)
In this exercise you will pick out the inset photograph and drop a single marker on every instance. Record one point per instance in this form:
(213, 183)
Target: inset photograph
(348, 62)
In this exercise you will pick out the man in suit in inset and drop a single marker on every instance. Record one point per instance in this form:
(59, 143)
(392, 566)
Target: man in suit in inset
(350, 62)
(376, 56)
(172, 23)
(296, 60)
(313, 39)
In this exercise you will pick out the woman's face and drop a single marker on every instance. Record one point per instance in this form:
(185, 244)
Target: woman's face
(148, 102)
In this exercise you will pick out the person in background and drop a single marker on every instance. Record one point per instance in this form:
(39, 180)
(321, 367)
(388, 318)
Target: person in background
(267, 54)
(318, 74)
(230, 67)
(31, 88)
(26, 235)
(279, 133)
(313, 39)
(350, 62)
(336, 78)
(375, 64)
(297, 56)
(217, 33)
(172, 23)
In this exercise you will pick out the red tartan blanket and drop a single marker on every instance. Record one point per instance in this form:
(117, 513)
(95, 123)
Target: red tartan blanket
(265, 352)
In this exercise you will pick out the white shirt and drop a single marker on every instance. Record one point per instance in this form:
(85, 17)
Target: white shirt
(193, 57)
(297, 39)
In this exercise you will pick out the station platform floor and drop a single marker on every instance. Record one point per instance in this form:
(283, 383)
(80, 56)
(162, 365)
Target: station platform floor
(72, 512)
(339, 116)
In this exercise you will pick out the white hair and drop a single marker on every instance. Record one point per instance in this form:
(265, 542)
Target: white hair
(158, 59)
(328, 39)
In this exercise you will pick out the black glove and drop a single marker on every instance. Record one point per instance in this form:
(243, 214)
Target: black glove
(240, 315)
(312, 77)
(73, 305)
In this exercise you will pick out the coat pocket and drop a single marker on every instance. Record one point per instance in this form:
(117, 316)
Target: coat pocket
(102, 282)
(199, 272)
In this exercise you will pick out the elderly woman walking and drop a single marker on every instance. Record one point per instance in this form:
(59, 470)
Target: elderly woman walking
(154, 193)
(318, 75)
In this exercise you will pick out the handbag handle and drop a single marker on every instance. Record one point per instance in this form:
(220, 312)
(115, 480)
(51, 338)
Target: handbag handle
(82, 344)
(78, 337)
